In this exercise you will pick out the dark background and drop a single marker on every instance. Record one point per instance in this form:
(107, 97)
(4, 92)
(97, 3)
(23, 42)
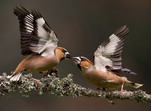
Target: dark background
(81, 26)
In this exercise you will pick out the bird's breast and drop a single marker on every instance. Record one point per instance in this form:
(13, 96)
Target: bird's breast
(38, 63)
(103, 79)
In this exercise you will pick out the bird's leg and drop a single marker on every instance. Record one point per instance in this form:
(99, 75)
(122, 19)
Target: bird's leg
(53, 72)
(121, 92)
(36, 81)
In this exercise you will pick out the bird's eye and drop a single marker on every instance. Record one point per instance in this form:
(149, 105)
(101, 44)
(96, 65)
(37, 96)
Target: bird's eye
(63, 50)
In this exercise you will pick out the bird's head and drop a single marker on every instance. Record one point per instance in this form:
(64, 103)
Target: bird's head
(82, 62)
(62, 53)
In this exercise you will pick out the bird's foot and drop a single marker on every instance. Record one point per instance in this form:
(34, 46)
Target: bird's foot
(36, 81)
(122, 91)
(53, 72)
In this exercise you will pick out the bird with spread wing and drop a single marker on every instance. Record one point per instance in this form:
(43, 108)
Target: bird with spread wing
(107, 67)
(39, 44)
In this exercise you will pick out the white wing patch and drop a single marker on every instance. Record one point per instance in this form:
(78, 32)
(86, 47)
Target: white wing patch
(101, 62)
(102, 54)
(41, 31)
(111, 46)
(36, 35)
(108, 54)
(47, 41)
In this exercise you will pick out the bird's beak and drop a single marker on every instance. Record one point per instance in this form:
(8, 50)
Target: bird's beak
(67, 55)
(76, 60)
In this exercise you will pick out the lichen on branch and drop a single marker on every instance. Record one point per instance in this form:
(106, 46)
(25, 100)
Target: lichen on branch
(65, 87)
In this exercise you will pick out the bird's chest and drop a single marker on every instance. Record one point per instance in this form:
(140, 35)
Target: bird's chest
(102, 79)
(38, 64)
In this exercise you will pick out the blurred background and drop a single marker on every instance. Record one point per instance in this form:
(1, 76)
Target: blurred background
(81, 26)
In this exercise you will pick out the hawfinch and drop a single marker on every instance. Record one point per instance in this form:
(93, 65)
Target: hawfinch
(107, 66)
(38, 42)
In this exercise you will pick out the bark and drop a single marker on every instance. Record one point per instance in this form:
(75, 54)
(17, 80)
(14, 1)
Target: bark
(65, 87)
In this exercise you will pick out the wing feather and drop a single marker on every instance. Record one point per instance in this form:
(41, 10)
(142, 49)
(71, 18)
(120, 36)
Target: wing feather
(108, 54)
(36, 34)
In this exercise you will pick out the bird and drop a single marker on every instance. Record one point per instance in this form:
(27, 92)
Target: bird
(106, 70)
(39, 44)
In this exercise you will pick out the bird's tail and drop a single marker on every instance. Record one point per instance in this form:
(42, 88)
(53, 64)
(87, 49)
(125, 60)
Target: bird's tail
(135, 85)
(128, 71)
(15, 77)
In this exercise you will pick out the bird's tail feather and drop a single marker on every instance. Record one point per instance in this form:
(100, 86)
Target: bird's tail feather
(135, 85)
(15, 77)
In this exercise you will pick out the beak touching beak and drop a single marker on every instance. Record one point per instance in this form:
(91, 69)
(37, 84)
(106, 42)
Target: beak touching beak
(76, 60)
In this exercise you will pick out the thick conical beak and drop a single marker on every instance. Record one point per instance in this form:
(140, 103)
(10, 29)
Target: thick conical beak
(76, 60)
(67, 55)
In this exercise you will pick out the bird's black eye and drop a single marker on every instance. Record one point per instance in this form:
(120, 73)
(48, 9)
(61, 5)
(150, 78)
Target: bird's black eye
(63, 50)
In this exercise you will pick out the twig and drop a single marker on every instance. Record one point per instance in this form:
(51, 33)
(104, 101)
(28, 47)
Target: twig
(65, 87)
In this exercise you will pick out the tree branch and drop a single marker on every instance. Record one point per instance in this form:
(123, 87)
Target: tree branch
(65, 87)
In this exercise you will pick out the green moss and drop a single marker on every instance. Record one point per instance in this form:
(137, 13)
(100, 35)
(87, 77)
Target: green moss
(65, 87)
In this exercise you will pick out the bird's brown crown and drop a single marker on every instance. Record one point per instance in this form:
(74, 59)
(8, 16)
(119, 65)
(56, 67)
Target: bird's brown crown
(82, 62)
(62, 53)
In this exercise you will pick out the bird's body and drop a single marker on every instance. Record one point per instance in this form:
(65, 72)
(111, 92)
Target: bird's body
(38, 43)
(36, 63)
(106, 70)
(107, 80)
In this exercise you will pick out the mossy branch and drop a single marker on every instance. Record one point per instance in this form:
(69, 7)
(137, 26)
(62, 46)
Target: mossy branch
(65, 87)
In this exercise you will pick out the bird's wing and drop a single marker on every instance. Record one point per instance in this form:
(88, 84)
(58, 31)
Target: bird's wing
(108, 55)
(36, 35)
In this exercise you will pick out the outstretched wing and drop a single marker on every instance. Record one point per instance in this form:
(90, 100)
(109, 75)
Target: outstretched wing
(36, 35)
(108, 55)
